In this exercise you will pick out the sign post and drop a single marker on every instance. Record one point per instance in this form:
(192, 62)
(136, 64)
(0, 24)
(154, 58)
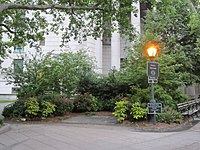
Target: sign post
(151, 50)
(153, 73)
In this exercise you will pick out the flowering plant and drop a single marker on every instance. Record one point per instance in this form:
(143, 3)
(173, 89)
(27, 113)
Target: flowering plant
(63, 106)
(85, 102)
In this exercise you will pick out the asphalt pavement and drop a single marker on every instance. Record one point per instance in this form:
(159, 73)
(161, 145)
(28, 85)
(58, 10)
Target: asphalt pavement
(64, 136)
(80, 134)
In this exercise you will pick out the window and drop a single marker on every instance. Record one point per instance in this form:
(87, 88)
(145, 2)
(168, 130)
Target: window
(14, 90)
(106, 34)
(122, 62)
(18, 65)
(18, 49)
(106, 40)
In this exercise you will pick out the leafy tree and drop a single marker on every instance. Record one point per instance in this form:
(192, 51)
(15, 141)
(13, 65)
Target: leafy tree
(24, 22)
(171, 23)
(176, 23)
(58, 74)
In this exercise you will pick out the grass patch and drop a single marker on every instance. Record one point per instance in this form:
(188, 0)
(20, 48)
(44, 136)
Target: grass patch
(7, 101)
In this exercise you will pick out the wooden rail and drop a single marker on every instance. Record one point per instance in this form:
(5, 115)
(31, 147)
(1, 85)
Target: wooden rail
(189, 108)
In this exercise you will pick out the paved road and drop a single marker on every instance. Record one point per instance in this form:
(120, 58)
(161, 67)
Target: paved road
(62, 136)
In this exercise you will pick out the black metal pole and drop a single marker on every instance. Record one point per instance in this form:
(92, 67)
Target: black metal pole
(153, 116)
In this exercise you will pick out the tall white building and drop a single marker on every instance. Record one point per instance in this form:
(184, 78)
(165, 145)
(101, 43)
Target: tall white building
(108, 53)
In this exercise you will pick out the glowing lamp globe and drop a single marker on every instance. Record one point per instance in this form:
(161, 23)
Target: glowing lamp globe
(152, 52)
(151, 49)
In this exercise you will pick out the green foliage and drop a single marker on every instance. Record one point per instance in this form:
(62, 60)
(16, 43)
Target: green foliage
(121, 109)
(170, 115)
(14, 110)
(106, 88)
(88, 18)
(137, 111)
(63, 105)
(49, 73)
(44, 106)
(109, 104)
(85, 102)
(1, 122)
(170, 79)
(141, 95)
(47, 108)
(32, 107)
(176, 24)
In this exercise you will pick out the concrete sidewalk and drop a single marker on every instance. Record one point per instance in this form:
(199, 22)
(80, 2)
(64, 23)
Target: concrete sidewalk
(95, 119)
(62, 136)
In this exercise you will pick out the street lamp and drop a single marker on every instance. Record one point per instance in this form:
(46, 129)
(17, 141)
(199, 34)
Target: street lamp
(151, 51)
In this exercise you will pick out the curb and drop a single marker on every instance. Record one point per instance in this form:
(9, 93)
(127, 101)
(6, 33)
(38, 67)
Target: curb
(5, 128)
(183, 127)
(179, 128)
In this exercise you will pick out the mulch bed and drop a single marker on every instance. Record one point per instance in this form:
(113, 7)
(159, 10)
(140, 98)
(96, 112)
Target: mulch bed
(137, 124)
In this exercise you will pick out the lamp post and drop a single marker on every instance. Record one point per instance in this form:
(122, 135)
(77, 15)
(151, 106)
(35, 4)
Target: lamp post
(152, 73)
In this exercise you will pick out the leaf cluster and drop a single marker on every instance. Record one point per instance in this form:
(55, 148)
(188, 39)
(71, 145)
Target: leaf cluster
(54, 73)
(29, 21)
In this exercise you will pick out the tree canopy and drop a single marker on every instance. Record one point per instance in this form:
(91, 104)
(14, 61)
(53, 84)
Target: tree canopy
(25, 21)
(176, 23)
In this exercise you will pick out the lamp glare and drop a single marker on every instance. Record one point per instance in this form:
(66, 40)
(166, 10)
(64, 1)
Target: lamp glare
(152, 52)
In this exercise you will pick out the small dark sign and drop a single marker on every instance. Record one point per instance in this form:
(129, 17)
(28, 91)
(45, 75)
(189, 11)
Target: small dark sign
(152, 70)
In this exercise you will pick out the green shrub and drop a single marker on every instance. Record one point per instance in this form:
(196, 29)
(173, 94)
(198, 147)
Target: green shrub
(47, 108)
(121, 109)
(32, 108)
(14, 110)
(85, 102)
(63, 106)
(60, 73)
(126, 110)
(170, 116)
(137, 111)
(105, 88)
(109, 105)
(1, 122)
(141, 95)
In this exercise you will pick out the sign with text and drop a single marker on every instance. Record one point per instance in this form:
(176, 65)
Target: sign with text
(152, 72)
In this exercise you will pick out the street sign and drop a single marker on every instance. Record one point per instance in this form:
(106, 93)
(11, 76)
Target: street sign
(153, 70)
(152, 80)
(154, 108)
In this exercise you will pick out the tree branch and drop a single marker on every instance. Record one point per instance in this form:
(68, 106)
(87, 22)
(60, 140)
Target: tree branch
(8, 29)
(45, 7)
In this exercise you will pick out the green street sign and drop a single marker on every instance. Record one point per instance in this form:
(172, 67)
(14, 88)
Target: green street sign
(154, 108)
